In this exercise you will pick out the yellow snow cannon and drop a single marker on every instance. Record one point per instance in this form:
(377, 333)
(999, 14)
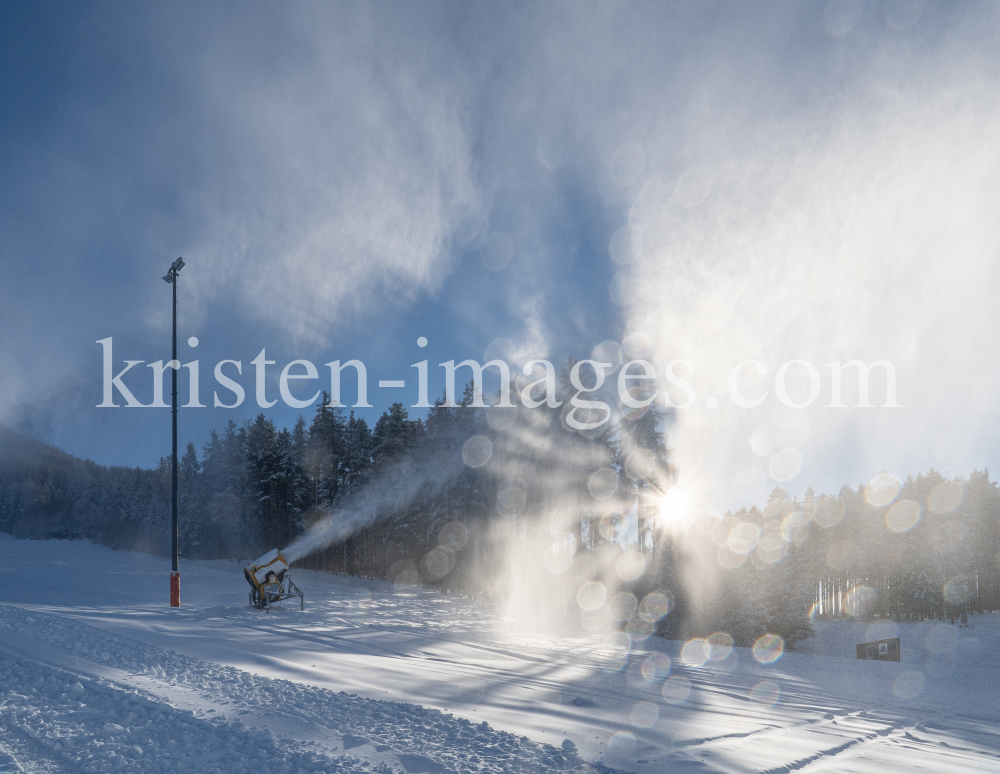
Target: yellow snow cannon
(269, 582)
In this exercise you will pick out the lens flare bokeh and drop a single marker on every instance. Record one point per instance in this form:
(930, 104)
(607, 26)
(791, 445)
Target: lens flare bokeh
(768, 648)
(676, 689)
(765, 693)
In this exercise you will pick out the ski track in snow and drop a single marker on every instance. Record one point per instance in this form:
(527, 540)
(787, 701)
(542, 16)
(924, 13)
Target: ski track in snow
(116, 720)
(96, 674)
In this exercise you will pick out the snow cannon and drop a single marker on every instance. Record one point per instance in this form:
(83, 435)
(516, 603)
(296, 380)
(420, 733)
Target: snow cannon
(270, 583)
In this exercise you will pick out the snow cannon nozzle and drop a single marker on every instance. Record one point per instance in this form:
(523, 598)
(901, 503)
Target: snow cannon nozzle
(269, 581)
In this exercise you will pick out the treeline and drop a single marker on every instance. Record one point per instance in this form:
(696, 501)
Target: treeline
(483, 500)
(255, 486)
(46, 493)
(436, 501)
(923, 548)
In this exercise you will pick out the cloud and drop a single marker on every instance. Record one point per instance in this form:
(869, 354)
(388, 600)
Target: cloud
(341, 173)
(313, 165)
(783, 183)
(858, 225)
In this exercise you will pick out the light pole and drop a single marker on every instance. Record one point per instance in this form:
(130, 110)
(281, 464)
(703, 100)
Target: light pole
(175, 574)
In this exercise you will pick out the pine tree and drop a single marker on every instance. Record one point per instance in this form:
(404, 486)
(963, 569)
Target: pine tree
(357, 463)
(324, 453)
(190, 506)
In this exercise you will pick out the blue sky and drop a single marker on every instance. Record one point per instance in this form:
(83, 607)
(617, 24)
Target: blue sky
(815, 181)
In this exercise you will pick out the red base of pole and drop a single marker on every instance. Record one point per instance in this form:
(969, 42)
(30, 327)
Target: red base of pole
(175, 589)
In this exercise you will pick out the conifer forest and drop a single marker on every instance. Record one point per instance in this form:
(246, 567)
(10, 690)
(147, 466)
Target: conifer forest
(452, 500)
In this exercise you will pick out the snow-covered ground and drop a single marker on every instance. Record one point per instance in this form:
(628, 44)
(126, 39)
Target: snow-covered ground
(97, 673)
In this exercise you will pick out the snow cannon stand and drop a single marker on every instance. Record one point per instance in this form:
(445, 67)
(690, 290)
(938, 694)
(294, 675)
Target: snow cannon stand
(270, 583)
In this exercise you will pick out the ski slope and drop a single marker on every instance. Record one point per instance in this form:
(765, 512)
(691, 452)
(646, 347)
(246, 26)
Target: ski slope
(98, 674)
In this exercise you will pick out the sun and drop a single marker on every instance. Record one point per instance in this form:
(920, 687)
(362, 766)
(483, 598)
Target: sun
(673, 507)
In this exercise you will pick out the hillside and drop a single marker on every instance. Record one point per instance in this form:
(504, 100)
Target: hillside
(98, 672)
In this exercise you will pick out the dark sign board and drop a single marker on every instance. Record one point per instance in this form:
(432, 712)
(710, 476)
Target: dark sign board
(880, 650)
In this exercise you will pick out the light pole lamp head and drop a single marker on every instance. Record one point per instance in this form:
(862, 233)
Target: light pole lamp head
(176, 266)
